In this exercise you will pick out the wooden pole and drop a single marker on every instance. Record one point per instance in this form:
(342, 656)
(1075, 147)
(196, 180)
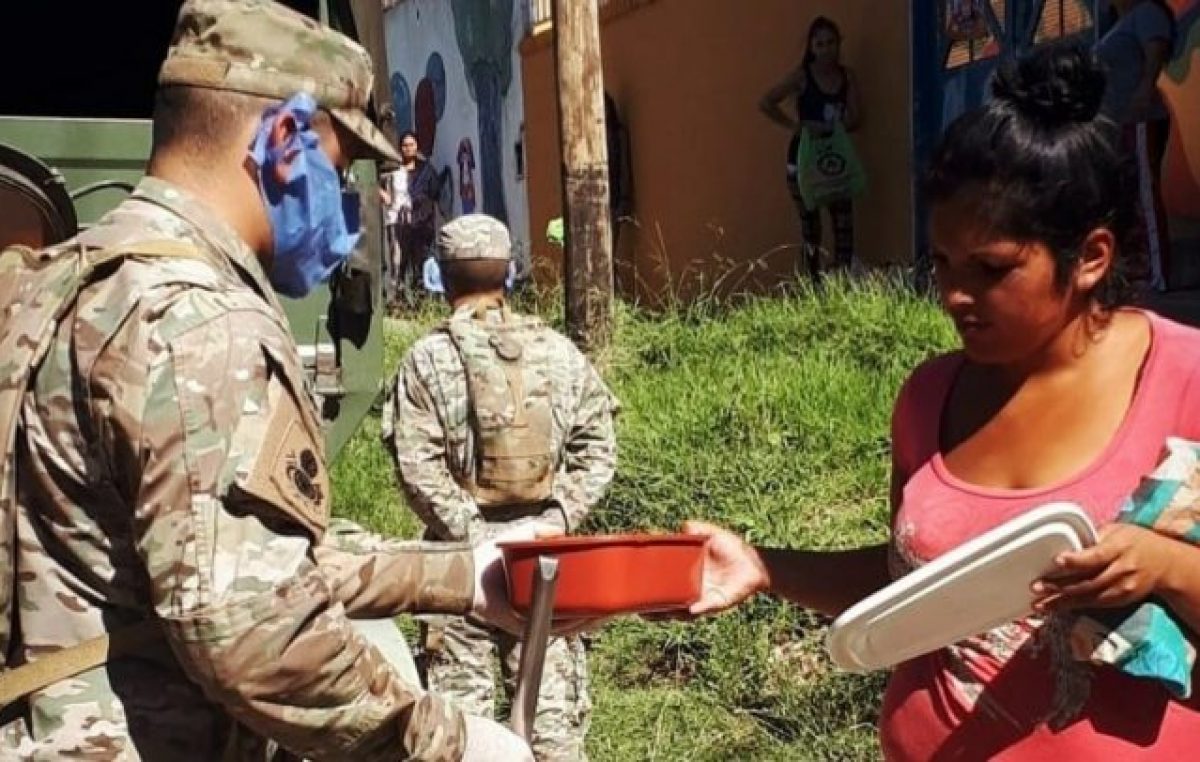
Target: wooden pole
(588, 249)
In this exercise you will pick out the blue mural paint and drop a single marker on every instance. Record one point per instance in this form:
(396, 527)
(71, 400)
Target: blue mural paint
(490, 100)
(402, 101)
(435, 72)
(483, 30)
(446, 196)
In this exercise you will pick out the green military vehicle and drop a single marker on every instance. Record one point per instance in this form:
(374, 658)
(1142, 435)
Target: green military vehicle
(75, 136)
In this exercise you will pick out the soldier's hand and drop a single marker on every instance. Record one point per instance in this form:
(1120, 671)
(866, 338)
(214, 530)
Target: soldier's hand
(491, 586)
(489, 741)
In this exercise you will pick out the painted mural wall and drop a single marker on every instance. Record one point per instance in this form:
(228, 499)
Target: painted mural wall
(456, 82)
(1181, 86)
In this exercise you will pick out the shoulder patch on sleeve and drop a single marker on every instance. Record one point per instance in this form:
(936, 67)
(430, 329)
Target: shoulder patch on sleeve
(287, 470)
(247, 426)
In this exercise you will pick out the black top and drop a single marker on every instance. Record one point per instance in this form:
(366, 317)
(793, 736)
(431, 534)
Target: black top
(815, 105)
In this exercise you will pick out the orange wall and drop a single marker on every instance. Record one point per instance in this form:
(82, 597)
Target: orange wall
(708, 176)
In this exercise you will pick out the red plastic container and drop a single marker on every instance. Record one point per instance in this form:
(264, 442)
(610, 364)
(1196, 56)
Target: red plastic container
(606, 575)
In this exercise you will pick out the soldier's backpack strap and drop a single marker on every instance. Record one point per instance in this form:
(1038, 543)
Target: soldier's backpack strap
(166, 248)
(483, 305)
(37, 289)
(17, 683)
(514, 457)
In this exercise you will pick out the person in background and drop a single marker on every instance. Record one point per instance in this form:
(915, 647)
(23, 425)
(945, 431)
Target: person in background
(1134, 50)
(825, 93)
(411, 196)
(1059, 392)
(496, 420)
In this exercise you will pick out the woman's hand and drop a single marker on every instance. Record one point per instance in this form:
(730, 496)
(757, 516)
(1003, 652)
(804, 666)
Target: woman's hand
(733, 571)
(1126, 566)
(793, 83)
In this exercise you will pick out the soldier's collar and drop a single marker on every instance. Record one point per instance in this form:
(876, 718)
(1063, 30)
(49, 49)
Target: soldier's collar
(212, 230)
(491, 311)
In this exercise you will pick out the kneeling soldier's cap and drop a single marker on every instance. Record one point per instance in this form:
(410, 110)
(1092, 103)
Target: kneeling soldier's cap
(473, 236)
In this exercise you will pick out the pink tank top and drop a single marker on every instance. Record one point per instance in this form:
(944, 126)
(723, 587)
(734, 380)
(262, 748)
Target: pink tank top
(1013, 693)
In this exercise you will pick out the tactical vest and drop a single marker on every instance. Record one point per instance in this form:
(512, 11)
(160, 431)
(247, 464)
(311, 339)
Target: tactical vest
(37, 289)
(509, 408)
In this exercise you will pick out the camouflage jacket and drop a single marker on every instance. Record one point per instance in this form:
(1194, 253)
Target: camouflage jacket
(172, 466)
(427, 428)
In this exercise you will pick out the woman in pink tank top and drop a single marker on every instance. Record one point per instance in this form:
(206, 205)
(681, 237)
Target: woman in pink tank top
(1058, 393)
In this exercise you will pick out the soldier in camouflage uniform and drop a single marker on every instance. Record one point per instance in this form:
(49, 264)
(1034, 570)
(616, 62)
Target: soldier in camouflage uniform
(437, 450)
(170, 462)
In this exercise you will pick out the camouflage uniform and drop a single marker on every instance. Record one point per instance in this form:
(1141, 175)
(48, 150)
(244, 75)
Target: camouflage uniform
(433, 443)
(170, 466)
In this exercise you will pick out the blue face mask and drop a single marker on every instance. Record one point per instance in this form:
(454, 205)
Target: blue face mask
(432, 275)
(314, 224)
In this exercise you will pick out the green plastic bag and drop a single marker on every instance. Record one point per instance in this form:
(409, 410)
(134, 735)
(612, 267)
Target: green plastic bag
(555, 233)
(828, 168)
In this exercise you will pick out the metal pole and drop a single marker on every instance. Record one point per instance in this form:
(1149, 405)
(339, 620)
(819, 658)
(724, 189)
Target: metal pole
(533, 647)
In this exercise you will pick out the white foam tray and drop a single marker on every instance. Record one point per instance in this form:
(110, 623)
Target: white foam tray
(971, 589)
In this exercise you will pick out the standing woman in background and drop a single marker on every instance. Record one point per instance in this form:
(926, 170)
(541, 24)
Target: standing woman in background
(825, 94)
(1134, 50)
(412, 191)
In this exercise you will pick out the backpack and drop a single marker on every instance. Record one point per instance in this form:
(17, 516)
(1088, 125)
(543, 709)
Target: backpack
(37, 289)
(511, 416)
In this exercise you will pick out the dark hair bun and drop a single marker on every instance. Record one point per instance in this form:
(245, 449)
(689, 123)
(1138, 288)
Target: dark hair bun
(1053, 86)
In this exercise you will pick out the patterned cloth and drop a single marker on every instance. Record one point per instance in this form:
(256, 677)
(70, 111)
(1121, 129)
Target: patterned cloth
(1146, 640)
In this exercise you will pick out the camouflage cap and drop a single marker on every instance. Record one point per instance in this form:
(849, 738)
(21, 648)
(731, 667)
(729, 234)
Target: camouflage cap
(473, 236)
(262, 48)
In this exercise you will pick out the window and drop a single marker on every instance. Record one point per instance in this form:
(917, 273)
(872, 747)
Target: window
(1000, 13)
(541, 13)
(1062, 18)
(970, 26)
(966, 19)
(965, 52)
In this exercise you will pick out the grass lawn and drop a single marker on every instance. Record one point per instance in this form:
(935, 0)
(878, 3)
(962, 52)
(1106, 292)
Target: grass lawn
(770, 417)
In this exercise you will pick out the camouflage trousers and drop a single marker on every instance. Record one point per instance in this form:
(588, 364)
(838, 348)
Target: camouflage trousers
(460, 660)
